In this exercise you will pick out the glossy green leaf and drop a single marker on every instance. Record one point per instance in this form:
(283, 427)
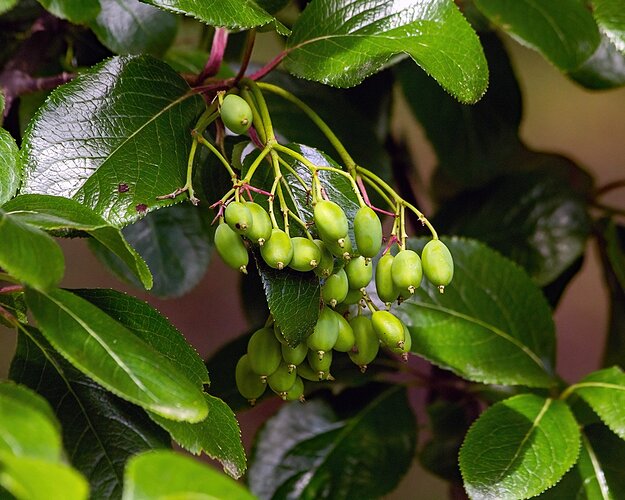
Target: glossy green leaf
(55, 213)
(479, 327)
(273, 6)
(473, 143)
(537, 218)
(107, 352)
(10, 169)
(29, 254)
(53, 480)
(598, 474)
(304, 452)
(563, 31)
(604, 391)
(340, 43)
(176, 243)
(518, 448)
(234, 14)
(76, 11)
(151, 327)
(218, 435)
(605, 69)
(114, 138)
(5, 6)
(164, 474)
(100, 430)
(610, 17)
(28, 427)
(612, 252)
(132, 27)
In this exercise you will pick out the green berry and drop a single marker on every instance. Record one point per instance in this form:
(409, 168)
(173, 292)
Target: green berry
(331, 222)
(294, 356)
(260, 231)
(277, 252)
(345, 340)
(278, 334)
(368, 232)
(248, 383)
(406, 272)
(405, 349)
(366, 343)
(236, 114)
(296, 392)
(231, 248)
(438, 264)
(342, 252)
(359, 272)
(320, 366)
(325, 333)
(306, 372)
(335, 288)
(384, 285)
(238, 217)
(263, 351)
(326, 264)
(306, 254)
(388, 328)
(282, 379)
(353, 297)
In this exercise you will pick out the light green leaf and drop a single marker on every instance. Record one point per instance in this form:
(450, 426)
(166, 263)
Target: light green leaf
(151, 327)
(234, 14)
(76, 11)
(114, 138)
(107, 352)
(479, 327)
(10, 169)
(100, 430)
(29, 254)
(218, 435)
(341, 42)
(563, 31)
(518, 448)
(55, 213)
(162, 474)
(610, 17)
(132, 27)
(604, 391)
(28, 427)
(28, 478)
(176, 244)
(5, 6)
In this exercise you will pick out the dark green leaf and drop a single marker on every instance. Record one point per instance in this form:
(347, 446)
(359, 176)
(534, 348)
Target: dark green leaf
(28, 427)
(114, 138)
(29, 254)
(55, 213)
(518, 448)
(604, 391)
(612, 251)
(303, 452)
(218, 435)
(610, 17)
(479, 327)
(340, 43)
(234, 14)
(605, 69)
(598, 473)
(161, 474)
(176, 243)
(15, 304)
(107, 352)
(100, 431)
(10, 170)
(186, 60)
(151, 327)
(76, 11)
(53, 480)
(563, 31)
(272, 6)
(473, 143)
(536, 218)
(132, 27)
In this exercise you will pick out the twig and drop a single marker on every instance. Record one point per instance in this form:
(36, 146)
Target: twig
(218, 48)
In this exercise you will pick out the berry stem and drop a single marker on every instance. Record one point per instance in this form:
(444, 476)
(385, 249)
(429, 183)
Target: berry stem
(220, 157)
(256, 163)
(259, 126)
(247, 54)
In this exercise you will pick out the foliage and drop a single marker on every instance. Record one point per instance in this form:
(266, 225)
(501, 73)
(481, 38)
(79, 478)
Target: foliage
(115, 129)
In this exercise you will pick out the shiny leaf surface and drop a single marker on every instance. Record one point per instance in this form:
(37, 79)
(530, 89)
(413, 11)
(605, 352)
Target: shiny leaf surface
(10, 170)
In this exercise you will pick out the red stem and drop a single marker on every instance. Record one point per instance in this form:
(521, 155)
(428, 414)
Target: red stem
(245, 60)
(218, 48)
(270, 66)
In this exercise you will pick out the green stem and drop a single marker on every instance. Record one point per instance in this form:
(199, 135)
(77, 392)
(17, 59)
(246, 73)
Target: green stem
(380, 191)
(257, 120)
(262, 107)
(256, 163)
(206, 119)
(316, 119)
(272, 215)
(218, 154)
(284, 208)
(292, 171)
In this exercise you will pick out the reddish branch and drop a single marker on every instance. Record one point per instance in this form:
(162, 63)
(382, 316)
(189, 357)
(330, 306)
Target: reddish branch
(218, 48)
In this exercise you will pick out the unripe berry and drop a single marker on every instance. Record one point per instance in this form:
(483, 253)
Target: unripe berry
(326, 264)
(294, 356)
(366, 343)
(238, 217)
(388, 328)
(248, 383)
(231, 248)
(325, 333)
(306, 254)
(260, 231)
(236, 114)
(277, 252)
(368, 232)
(359, 272)
(296, 392)
(386, 289)
(331, 222)
(320, 365)
(438, 264)
(345, 340)
(335, 288)
(263, 351)
(406, 272)
(282, 379)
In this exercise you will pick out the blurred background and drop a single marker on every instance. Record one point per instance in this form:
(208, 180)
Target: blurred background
(559, 117)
